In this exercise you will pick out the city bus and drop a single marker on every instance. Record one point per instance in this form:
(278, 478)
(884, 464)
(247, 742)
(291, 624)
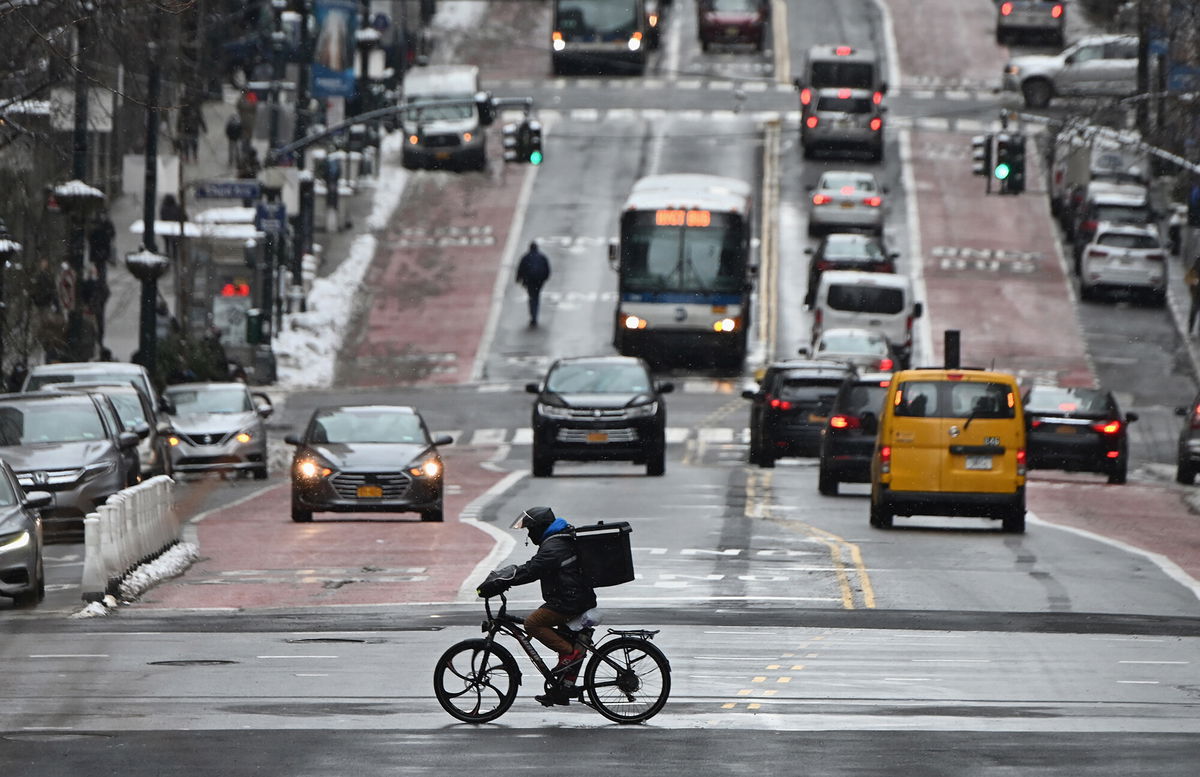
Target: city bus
(684, 270)
(595, 36)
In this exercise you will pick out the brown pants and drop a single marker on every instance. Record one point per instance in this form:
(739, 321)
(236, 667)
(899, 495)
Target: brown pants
(540, 624)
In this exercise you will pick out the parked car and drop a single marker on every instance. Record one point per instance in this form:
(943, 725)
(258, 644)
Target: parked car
(847, 251)
(845, 200)
(22, 570)
(840, 118)
(369, 458)
(1113, 204)
(1097, 66)
(724, 22)
(952, 443)
(70, 444)
(95, 372)
(218, 427)
(1187, 459)
(1124, 257)
(789, 408)
(599, 408)
(1077, 429)
(863, 349)
(137, 415)
(848, 438)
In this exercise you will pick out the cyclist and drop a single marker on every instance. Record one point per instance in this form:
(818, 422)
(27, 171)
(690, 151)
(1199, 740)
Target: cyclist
(565, 590)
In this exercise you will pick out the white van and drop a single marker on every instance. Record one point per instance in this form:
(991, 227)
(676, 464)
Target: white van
(447, 135)
(868, 300)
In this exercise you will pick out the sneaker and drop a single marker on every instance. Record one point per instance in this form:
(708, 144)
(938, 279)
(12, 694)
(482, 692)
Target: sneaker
(552, 698)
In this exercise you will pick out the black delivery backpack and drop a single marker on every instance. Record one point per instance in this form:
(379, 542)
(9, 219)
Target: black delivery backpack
(604, 553)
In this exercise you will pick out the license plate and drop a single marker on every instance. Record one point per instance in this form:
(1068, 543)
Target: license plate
(442, 155)
(816, 418)
(597, 437)
(370, 491)
(847, 204)
(979, 462)
(732, 31)
(1065, 430)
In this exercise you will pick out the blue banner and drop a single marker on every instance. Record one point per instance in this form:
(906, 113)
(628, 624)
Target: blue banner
(333, 55)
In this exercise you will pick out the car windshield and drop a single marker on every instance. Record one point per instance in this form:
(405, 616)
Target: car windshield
(361, 426)
(217, 399)
(855, 75)
(464, 108)
(598, 379)
(1068, 401)
(38, 381)
(847, 181)
(733, 6)
(854, 298)
(129, 409)
(1122, 214)
(597, 19)
(844, 104)
(954, 399)
(1127, 240)
(31, 423)
(864, 398)
(847, 342)
(851, 247)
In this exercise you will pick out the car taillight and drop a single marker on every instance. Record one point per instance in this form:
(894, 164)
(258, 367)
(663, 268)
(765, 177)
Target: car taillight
(1088, 226)
(1035, 423)
(886, 364)
(873, 202)
(812, 121)
(1006, 9)
(821, 199)
(823, 265)
(843, 51)
(1195, 418)
(1020, 461)
(1056, 12)
(1097, 252)
(885, 458)
(876, 123)
(1155, 257)
(845, 422)
(805, 96)
(877, 98)
(779, 404)
(1107, 427)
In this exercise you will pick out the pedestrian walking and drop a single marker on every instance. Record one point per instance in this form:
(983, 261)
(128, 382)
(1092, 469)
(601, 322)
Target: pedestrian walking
(247, 110)
(1192, 279)
(532, 273)
(233, 134)
(171, 212)
(100, 251)
(188, 126)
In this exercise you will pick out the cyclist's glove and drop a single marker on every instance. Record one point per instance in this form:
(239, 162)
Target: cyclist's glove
(490, 588)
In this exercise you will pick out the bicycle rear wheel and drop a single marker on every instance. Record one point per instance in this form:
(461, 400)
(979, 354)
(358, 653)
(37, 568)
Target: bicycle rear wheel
(628, 680)
(476, 682)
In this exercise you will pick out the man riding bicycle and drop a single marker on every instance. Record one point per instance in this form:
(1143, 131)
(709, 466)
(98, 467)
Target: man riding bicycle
(566, 592)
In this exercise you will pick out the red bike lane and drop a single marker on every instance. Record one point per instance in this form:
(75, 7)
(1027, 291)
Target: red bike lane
(992, 270)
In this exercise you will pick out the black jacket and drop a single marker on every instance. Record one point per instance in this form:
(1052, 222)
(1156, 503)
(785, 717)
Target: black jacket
(533, 269)
(557, 566)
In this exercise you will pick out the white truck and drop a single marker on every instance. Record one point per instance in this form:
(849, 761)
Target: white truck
(1081, 156)
(444, 128)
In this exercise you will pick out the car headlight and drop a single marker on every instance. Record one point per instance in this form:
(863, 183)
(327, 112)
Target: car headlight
(99, 468)
(428, 466)
(642, 411)
(553, 411)
(311, 468)
(15, 540)
(244, 436)
(1013, 70)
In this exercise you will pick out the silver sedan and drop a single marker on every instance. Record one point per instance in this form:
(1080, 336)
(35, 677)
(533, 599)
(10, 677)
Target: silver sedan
(846, 200)
(218, 427)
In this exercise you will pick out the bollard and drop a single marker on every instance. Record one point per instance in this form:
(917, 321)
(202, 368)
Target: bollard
(93, 582)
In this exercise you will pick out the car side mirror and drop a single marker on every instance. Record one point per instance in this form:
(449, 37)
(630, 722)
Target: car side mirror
(1131, 417)
(894, 255)
(885, 189)
(142, 430)
(443, 439)
(809, 250)
(803, 350)
(127, 440)
(666, 387)
(533, 388)
(264, 410)
(1070, 60)
(1182, 410)
(292, 439)
(798, 84)
(163, 427)
(612, 254)
(918, 309)
(749, 394)
(35, 500)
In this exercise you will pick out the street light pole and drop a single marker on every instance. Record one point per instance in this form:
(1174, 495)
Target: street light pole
(302, 96)
(8, 248)
(77, 348)
(277, 68)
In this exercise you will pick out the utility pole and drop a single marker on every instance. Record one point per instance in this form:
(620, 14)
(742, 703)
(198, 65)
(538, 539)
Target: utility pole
(77, 348)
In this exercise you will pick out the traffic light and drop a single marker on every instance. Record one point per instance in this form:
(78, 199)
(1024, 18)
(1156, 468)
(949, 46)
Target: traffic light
(523, 142)
(981, 155)
(1016, 163)
(1002, 166)
(533, 146)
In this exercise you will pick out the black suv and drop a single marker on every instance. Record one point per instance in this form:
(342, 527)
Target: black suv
(1077, 429)
(790, 407)
(599, 408)
(848, 439)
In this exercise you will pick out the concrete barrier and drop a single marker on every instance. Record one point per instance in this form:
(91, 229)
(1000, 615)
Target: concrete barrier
(134, 526)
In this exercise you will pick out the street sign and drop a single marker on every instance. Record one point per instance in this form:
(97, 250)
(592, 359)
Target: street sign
(247, 189)
(270, 217)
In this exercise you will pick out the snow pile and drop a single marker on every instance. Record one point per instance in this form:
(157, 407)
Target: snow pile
(171, 563)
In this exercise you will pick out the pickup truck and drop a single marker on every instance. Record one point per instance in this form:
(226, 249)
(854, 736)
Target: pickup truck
(1022, 18)
(1098, 66)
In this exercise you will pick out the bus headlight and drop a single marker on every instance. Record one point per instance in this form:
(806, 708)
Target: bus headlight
(633, 322)
(557, 42)
(725, 325)
(635, 43)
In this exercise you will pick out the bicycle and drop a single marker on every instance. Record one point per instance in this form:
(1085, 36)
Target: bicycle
(626, 677)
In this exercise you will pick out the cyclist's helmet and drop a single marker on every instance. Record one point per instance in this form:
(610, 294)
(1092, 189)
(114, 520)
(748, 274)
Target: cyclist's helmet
(535, 521)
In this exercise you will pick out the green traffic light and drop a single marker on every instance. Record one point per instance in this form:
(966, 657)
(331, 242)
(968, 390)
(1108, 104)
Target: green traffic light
(535, 157)
(1001, 172)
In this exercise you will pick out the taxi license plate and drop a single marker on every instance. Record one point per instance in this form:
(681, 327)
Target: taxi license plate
(597, 437)
(979, 462)
(370, 491)
(816, 418)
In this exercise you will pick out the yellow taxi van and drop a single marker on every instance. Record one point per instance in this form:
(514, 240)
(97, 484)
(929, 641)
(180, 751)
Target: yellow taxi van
(951, 442)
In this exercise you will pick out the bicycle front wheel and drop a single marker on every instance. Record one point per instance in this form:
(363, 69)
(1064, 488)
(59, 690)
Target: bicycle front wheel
(628, 680)
(476, 682)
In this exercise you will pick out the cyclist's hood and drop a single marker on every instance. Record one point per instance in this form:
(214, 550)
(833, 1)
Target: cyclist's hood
(540, 523)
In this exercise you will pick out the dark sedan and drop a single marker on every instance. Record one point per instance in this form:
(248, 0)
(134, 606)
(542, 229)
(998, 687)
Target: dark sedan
(1077, 429)
(368, 458)
(790, 407)
(22, 573)
(599, 409)
(847, 251)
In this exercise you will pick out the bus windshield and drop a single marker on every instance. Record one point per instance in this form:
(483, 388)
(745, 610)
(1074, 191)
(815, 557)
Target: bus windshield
(598, 20)
(681, 258)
